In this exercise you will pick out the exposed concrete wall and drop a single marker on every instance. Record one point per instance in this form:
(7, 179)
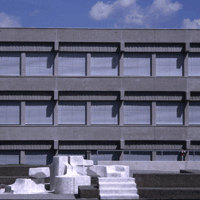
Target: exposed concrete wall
(173, 166)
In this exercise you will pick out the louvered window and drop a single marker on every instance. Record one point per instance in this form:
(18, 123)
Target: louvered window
(39, 64)
(194, 64)
(10, 64)
(39, 112)
(169, 113)
(104, 112)
(169, 64)
(72, 64)
(137, 113)
(104, 64)
(194, 113)
(9, 112)
(71, 112)
(137, 64)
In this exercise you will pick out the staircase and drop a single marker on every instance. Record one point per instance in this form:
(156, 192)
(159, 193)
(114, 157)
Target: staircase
(117, 188)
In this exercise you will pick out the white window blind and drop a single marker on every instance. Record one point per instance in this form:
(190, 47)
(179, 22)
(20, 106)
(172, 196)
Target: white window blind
(39, 64)
(104, 112)
(104, 64)
(10, 64)
(194, 64)
(137, 64)
(9, 112)
(71, 112)
(137, 113)
(194, 113)
(72, 64)
(169, 113)
(38, 112)
(169, 64)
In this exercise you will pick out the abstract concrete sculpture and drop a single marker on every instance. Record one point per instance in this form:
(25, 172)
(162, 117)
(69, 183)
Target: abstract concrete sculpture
(75, 174)
(33, 185)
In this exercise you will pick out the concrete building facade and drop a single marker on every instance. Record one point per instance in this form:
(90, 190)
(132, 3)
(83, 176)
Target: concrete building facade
(107, 94)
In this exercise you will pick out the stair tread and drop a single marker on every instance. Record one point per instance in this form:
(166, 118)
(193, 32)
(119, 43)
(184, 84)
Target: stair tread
(167, 188)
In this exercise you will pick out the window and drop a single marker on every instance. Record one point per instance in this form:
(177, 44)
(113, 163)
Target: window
(137, 64)
(71, 112)
(104, 64)
(137, 112)
(72, 64)
(9, 112)
(194, 64)
(194, 113)
(9, 157)
(39, 112)
(39, 64)
(137, 155)
(168, 156)
(10, 64)
(169, 113)
(104, 112)
(169, 64)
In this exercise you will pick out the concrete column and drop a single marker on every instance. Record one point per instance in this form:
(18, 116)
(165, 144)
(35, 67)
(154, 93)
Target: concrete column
(22, 157)
(23, 64)
(153, 156)
(88, 157)
(22, 113)
(88, 67)
(121, 114)
(88, 113)
(186, 114)
(187, 149)
(121, 65)
(153, 65)
(55, 73)
(55, 116)
(153, 113)
(185, 71)
(56, 144)
(121, 158)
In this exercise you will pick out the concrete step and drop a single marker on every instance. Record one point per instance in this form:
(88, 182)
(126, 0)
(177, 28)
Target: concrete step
(113, 180)
(167, 180)
(169, 193)
(118, 191)
(124, 197)
(114, 174)
(117, 185)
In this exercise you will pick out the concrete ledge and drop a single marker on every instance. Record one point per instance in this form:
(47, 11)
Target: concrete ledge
(169, 166)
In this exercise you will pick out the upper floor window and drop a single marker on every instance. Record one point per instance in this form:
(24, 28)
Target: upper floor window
(72, 64)
(194, 64)
(137, 112)
(137, 64)
(9, 112)
(39, 64)
(104, 64)
(104, 112)
(71, 112)
(194, 112)
(39, 112)
(169, 112)
(10, 64)
(169, 64)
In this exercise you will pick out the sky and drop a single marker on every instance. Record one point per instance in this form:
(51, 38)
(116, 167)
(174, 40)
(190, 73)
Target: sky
(113, 14)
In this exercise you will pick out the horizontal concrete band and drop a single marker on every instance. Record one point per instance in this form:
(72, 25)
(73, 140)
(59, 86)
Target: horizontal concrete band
(99, 35)
(156, 84)
(102, 133)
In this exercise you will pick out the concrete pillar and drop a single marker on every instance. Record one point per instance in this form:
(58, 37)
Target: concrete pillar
(88, 114)
(56, 46)
(22, 113)
(88, 67)
(55, 116)
(121, 65)
(153, 156)
(153, 113)
(88, 157)
(187, 149)
(121, 114)
(153, 65)
(186, 114)
(22, 157)
(121, 158)
(23, 64)
(185, 71)
(55, 73)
